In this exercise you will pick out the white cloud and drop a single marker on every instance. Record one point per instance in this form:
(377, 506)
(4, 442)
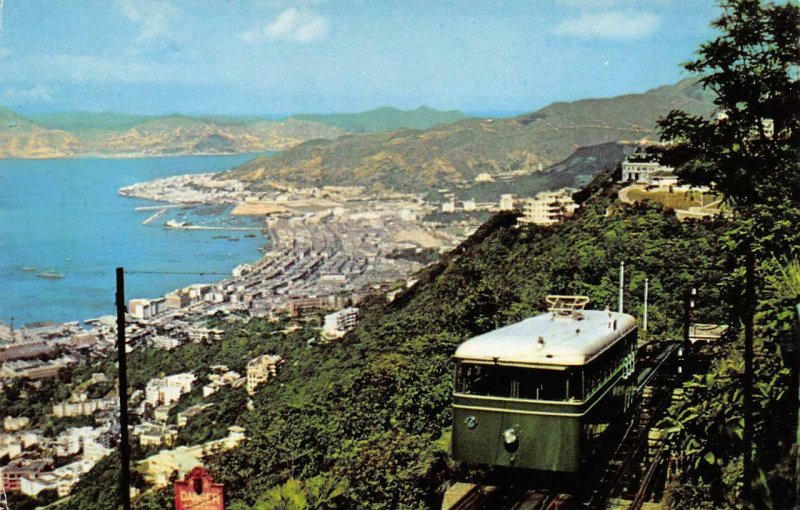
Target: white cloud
(155, 18)
(5, 53)
(291, 25)
(622, 25)
(39, 93)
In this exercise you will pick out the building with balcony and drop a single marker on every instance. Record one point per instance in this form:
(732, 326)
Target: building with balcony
(644, 166)
(336, 324)
(548, 207)
(261, 369)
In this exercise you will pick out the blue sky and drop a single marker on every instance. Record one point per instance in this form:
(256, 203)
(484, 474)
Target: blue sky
(276, 57)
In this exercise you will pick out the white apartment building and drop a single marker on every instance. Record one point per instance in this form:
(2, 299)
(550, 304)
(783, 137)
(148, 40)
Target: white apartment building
(548, 207)
(261, 370)
(168, 390)
(336, 324)
(506, 202)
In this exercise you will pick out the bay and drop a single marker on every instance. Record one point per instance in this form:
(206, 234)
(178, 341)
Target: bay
(65, 215)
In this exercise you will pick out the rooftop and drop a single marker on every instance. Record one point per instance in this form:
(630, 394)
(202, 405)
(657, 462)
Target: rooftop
(549, 339)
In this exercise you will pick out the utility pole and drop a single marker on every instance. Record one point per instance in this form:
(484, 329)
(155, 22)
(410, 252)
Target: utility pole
(646, 288)
(796, 377)
(124, 444)
(749, 313)
(621, 283)
(688, 305)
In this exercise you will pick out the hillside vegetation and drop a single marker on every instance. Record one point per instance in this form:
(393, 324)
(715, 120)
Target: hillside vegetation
(371, 412)
(409, 159)
(363, 422)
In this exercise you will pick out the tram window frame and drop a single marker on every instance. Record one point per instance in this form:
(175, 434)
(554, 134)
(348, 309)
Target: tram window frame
(603, 367)
(556, 384)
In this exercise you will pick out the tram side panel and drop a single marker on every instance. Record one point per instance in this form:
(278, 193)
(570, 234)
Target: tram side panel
(512, 434)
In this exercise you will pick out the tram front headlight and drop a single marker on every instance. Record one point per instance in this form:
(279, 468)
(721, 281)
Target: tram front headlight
(471, 422)
(510, 437)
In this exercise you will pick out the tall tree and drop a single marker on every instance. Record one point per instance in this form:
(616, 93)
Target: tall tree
(749, 152)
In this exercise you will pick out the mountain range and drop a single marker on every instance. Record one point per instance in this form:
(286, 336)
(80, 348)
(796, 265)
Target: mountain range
(107, 134)
(456, 153)
(117, 135)
(386, 119)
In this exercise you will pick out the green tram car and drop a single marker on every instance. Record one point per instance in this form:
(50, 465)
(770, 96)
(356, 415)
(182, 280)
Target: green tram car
(546, 393)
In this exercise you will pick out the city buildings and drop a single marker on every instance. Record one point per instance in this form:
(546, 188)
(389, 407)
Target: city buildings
(85, 407)
(336, 324)
(261, 370)
(14, 471)
(154, 434)
(548, 207)
(168, 390)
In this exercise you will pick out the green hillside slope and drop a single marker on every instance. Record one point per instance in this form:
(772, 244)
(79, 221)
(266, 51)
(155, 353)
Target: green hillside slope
(386, 119)
(456, 153)
(363, 422)
(372, 408)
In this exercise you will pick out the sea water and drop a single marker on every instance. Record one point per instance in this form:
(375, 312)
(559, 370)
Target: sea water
(66, 216)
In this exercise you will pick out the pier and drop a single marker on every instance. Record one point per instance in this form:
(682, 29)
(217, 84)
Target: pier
(201, 227)
(157, 207)
(155, 216)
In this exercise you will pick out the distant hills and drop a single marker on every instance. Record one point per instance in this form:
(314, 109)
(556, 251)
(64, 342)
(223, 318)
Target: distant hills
(456, 153)
(89, 121)
(80, 134)
(386, 119)
(108, 134)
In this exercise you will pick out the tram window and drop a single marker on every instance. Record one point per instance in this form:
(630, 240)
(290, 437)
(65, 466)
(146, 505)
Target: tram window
(575, 384)
(518, 382)
(604, 366)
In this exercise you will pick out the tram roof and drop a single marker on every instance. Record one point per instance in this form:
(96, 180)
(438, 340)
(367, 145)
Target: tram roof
(549, 339)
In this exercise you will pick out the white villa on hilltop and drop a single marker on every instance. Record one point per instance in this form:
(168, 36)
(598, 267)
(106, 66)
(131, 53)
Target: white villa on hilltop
(644, 166)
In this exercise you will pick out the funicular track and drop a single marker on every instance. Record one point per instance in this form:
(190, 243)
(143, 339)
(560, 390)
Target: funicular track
(630, 465)
(628, 478)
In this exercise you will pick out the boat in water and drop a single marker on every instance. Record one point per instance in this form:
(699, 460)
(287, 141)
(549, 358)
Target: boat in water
(28, 269)
(50, 275)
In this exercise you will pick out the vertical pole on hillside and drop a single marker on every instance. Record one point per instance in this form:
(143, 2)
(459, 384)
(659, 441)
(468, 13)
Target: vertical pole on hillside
(124, 445)
(796, 376)
(621, 283)
(749, 312)
(646, 289)
(688, 305)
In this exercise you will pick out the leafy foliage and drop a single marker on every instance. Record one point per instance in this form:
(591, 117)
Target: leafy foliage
(752, 68)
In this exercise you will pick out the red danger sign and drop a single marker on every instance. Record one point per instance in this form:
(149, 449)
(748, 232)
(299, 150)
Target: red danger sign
(198, 491)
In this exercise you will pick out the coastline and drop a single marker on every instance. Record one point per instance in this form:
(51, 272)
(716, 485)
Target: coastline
(88, 229)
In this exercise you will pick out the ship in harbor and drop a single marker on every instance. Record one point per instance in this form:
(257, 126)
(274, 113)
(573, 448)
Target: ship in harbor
(50, 275)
